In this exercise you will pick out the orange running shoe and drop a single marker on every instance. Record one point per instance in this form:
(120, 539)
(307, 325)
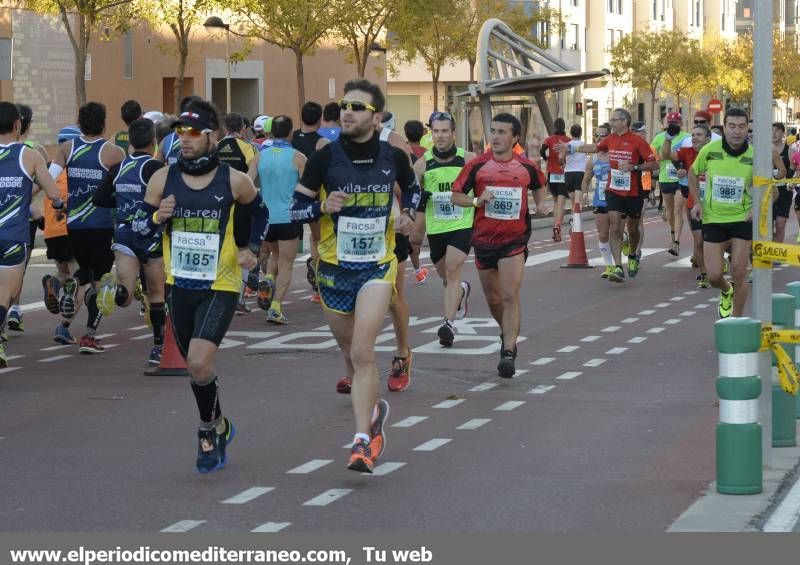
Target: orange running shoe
(315, 298)
(377, 443)
(400, 377)
(422, 275)
(361, 459)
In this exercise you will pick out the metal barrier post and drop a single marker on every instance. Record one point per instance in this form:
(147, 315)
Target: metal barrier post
(739, 456)
(784, 431)
(793, 288)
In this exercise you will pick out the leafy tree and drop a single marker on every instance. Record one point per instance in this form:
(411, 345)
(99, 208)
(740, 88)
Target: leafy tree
(435, 32)
(692, 73)
(359, 25)
(297, 25)
(644, 59)
(734, 61)
(87, 16)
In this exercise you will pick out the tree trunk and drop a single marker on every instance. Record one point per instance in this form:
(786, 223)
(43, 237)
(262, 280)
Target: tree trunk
(435, 79)
(362, 57)
(472, 63)
(177, 88)
(301, 89)
(652, 113)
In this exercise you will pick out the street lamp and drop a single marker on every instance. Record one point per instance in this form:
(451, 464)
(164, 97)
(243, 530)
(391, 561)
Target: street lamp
(215, 22)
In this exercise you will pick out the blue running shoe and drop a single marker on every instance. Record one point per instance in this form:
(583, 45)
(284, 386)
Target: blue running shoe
(62, 335)
(155, 356)
(211, 447)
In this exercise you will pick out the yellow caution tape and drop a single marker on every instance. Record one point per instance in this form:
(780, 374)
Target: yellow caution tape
(766, 199)
(788, 375)
(765, 252)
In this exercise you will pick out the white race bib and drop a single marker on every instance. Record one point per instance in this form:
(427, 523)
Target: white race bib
(672, 173)
(443, 209)
(702, 190)
(600, 188)
(361, 240)
(194, 255)
(728, 190)
(506, 204)
(556, 178)
(620, 180)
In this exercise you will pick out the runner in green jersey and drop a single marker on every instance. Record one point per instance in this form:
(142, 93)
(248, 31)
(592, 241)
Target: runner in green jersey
(726, 208)
(449, 226)
(674, 203)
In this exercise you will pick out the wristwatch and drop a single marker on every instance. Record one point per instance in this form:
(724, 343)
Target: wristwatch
(411, 213)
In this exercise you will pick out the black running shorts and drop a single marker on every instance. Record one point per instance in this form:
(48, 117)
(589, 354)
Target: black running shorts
(200, 314)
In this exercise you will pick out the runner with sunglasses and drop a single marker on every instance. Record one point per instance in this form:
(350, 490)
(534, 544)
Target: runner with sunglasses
(449, 227)
(355, 178)
(213, 220)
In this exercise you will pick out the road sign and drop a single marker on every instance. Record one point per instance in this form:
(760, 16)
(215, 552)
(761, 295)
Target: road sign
(714, 106)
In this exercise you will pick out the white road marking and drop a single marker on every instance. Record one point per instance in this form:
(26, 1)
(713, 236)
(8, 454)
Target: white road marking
(474, 424)
(647, 312)
(712, 300)
(386, 468)
(638, 339)
(598, 261)
(594, 362)
(611, 329)
(247, 495)
(672, 321)
(509, 406)
(408, 422)
(568, 376)
(690, 292)
(297, 291)
(591, 338)
(56, 358)
(55, 347)
(680, 263)
(432, 444)
(663, 304)
(540, 258)
(143, 336)
(307, 468)
(32, 307)
(785, 517)
(541, 389)
(630, 320)
(12, 357)
(137, 328)
(103, 336)
(616, 350)
(543, 361)
(655, 330)
(482, 387)
(328, 496)
(9, 369)
(568, 349)
(183, 526)
(704, 305)
(688, 313)
(677, 298)
(110, 345)
(449, 403)
(270, 527)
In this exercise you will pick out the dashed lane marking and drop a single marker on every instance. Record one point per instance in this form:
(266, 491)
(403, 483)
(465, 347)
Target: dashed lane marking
(143, 336)
(509, 406)
(688, 313)
(611, 329)
(137, 328)
(568, 376)
(568, 349)
(474, 424)
(616, 350)
(647, 312)
(432, 444)
(309, 467)
(691, 292)
(541, 389)
(704, 305)
(543, 361)
(629, 320)
(591, 338)
(12, 357)
(449, 403)
(270, 527)
(638, 339)
(482, 387)
(183, 526)
(594, 362)
(55, 347)
(9, 369)
(663, 305)
(328, 497)
(386, 468)
(56, 358)
(677, 298)
(672, 321)
(655, 330)
(247, 495)
(407, 423)
(103, 336)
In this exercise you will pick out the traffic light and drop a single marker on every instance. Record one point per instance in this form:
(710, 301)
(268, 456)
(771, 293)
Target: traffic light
(579, 108)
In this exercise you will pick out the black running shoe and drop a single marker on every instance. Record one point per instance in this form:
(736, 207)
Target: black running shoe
(506, 368)
(67, 302)
(311, 274)
(446, 334)
(252, 280)
(211, 447)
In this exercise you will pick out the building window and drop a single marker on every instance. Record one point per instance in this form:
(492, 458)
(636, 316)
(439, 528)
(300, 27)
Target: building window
(542, 33)
(128, 55)
(620, 35)
(575, 3)
(610, 42)
(746, 12)
(572, 39)
(655, 9)
(610, 6)
(619, 6)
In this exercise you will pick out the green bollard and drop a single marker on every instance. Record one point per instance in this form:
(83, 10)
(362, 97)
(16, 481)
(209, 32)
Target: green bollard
(739, 457)
(784, 431)
(793, 288)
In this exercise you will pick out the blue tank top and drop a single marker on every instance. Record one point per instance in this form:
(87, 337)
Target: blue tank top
(129, 187)
(330, 133)
(15, 195)
(601, 170)
(84, 174)
(171, 148)
(279, 178)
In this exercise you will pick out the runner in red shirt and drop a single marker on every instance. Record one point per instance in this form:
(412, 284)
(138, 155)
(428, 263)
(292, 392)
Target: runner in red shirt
(628, 155)
(555, 173)
(499, 181)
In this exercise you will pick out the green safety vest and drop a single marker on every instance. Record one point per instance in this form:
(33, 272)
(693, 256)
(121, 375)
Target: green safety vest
(441, 216)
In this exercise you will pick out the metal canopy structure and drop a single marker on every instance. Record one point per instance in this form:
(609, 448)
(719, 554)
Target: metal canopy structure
(510, 64)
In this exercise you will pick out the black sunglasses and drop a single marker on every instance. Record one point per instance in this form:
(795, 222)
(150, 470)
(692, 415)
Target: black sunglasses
(442, 116)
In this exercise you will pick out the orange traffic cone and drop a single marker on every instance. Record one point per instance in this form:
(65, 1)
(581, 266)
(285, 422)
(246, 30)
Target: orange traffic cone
(172, 362)
(577, 246)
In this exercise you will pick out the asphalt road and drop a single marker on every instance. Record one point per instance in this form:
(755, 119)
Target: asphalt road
(608, 425)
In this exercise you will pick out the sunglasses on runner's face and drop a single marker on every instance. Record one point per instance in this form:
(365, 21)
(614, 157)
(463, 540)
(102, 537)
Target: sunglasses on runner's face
(442, 116)
(190, 131)
(700, 122)
(356, 106)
